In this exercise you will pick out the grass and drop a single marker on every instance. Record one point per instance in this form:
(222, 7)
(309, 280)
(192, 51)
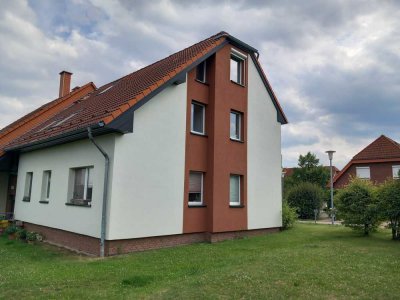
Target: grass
(309, 261)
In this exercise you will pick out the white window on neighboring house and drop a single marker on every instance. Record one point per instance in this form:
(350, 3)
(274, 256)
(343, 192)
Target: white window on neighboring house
(196, 188)
(396, 170)
(198, 118)
(28, 186)
(236, 126)
(363, 172)
(201, 72)
(46, 184)
(234, 190)
(237, 66)
(82, 185)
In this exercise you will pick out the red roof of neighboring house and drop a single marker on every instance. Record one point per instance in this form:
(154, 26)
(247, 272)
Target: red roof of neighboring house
(40, 115)
(383, 149)
(117, 98)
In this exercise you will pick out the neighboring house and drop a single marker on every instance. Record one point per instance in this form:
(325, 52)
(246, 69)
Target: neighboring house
(287, 172)
(9, 162)
(377, 162)
(187, 149)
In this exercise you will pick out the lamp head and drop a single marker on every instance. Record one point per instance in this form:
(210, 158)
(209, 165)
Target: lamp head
(330, 153)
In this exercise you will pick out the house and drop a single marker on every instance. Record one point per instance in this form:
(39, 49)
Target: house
(187, 149)
(287, 172)
(9, 162)
(377, 162)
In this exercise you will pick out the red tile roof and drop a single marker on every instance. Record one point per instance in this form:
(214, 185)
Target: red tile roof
(37, 117)
(381, 150)
(113, 99)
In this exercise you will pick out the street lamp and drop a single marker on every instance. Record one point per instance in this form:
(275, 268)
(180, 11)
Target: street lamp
(330, 154)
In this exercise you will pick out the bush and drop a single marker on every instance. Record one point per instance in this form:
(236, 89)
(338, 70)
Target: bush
(289, 215)
(305, 197)
(21, 234)
(389, 205)
(357, 205)
(11, 229)
(31, 236)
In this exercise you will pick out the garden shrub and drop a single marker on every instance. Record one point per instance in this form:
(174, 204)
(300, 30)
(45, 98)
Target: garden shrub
(289, 215)
(357, 205)
(306, 197)
(389, 205)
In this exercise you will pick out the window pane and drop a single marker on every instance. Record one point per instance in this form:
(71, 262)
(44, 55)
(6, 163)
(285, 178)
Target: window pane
(197, 118)
(363, 172)
(234, 194)
(396, 170)
(195, 187)
(48, 181)
(235, 126)
(201, 72)
(234, 70)
(89, 189)
(79, 183)
(28, 184)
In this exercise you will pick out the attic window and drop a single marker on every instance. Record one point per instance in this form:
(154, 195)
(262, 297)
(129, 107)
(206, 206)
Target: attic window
(237, 66)
(105, 90)
(201, 72)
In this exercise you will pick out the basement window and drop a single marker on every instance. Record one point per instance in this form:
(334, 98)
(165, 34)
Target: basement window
(363, 172)
(196, 188)
(82, 186)
(201, 72)
(28, 187)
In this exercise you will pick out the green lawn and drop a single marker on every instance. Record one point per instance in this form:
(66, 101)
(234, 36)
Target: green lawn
(309, 261)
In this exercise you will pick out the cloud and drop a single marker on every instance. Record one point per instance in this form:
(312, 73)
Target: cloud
(333, 64)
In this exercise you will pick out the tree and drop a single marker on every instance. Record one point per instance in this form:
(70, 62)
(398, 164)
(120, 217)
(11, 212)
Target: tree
(311, 171)
(357, 205)
(389, 205)
(289, 215)
(306, 197)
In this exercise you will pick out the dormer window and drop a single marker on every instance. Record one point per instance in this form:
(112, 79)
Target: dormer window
(201, 72)
(237, 67)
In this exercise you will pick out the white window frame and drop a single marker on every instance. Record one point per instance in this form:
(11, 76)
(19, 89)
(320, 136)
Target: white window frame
(240, 125)
(240, 198)
(201, 203)
(395, 171)
(192, 118)
(46, 183)
(85, 187)
(241, 59)
(363, 168)
(204, 72)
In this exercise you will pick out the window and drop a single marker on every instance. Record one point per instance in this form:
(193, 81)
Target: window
(201, 73)
(237, 67)
(234, 190)
(236, 124)
(198, 118)
(396, 170)
(46, 185)
(28, 186)
(196, 188)
(363, 172)
(83, 184)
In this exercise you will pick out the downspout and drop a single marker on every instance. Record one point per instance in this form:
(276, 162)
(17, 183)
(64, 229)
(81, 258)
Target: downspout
(105, 192)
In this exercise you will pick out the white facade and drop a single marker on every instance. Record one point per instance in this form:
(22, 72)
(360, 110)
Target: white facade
(3, 191)
(264, 190)
(149, 166)
(60, 159)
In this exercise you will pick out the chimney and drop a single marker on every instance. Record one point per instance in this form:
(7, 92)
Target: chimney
(65, 83)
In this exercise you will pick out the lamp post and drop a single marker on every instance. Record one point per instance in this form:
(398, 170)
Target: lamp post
(330, 154)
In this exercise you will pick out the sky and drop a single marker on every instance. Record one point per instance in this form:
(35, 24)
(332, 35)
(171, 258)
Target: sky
(334, 65)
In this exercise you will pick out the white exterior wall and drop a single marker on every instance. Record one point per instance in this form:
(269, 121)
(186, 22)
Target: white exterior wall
(60, 159)
(3, 191)
(264, 204)
(148, 179)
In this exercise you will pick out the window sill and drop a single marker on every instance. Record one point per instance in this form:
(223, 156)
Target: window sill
(237, 83)
(26, 199)
(236, 206)
(44, 201)
(202, 82)
(197, 206)
(198, 134)
(238, 141)
(78, 202)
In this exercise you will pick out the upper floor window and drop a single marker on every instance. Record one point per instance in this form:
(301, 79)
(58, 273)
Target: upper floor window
(46, 182)
(363, 172)
(396, 171)
(28, 186)
(234, 190)
(201, 72)
(237, 66)
(236, 126)
(82, 184)
(198, 118)
(196, 188)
